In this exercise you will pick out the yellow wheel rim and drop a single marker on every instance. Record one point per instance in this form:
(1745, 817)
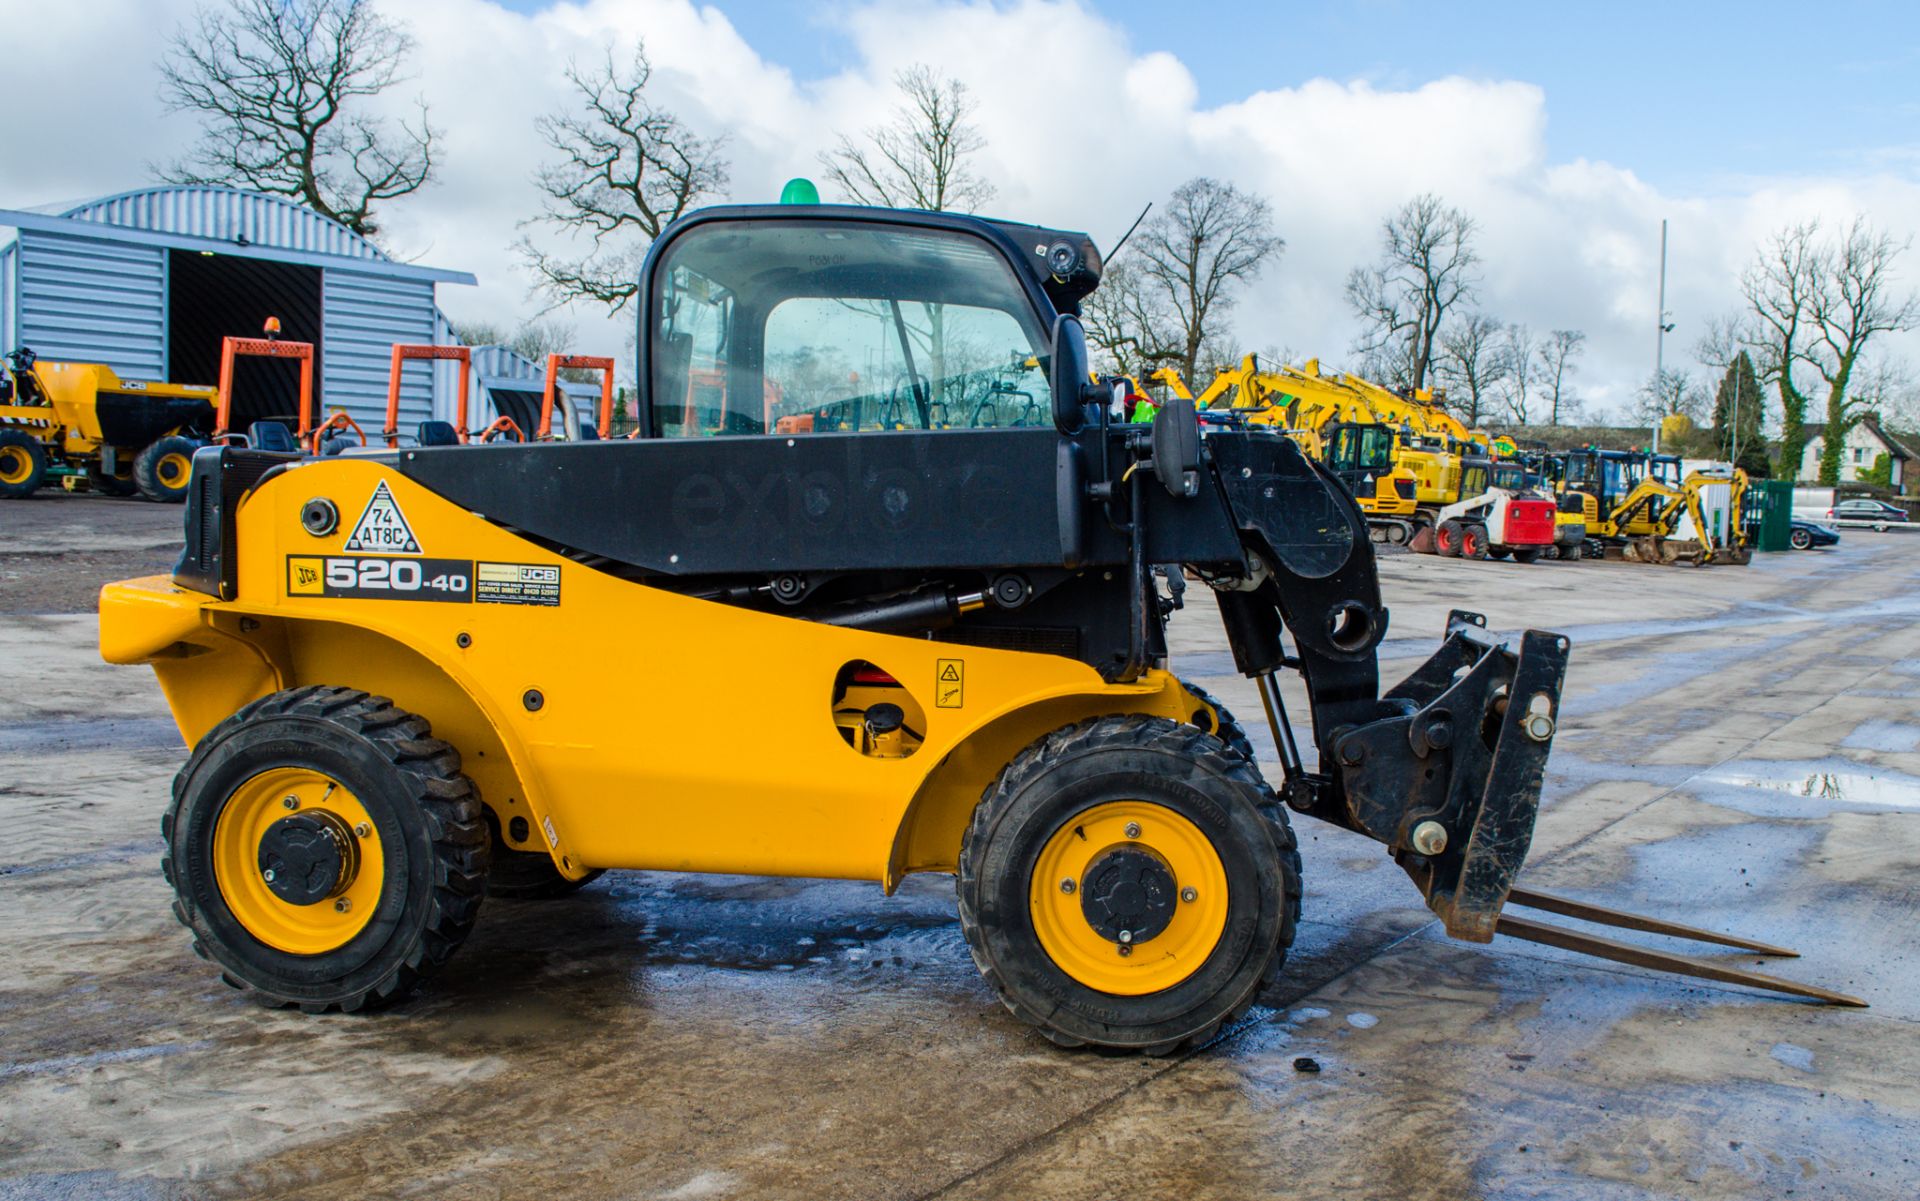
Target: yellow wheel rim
(174, 470)
(16, 465)
(1084, 844)
(250, 814)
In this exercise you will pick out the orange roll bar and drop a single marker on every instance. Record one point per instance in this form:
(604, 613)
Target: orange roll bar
(265, 348)
(556, 363)
(405, 352)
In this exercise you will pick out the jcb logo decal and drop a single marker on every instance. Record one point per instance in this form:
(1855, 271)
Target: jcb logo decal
(304, 576)
(949, 683)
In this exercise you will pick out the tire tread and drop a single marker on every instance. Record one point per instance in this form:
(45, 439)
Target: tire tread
(446, 800)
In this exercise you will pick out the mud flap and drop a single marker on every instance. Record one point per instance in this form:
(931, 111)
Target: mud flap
(1451, 781)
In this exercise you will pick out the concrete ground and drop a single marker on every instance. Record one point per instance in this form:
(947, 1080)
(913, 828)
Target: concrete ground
(1740, 749)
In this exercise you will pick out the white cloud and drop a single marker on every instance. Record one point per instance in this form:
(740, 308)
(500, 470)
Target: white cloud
(1082, 128)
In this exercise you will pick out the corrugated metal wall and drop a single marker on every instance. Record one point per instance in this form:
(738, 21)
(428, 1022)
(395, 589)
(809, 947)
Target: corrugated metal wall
(365, 315)
(227, 215)
(501, 367)
(94, 301)
(9, 255)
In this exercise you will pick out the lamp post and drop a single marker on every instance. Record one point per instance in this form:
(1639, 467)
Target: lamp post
(1661, 328)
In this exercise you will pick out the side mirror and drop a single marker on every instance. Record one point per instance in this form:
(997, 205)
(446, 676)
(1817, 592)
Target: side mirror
(1176, 447)
(1068, 377)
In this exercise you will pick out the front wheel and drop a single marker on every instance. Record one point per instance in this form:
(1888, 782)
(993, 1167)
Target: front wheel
(1129, 883)
(23, 464)
(324, 850)
(1447, 538)
(1525, 554)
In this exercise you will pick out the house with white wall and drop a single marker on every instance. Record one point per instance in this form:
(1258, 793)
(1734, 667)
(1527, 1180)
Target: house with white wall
(1865, 443)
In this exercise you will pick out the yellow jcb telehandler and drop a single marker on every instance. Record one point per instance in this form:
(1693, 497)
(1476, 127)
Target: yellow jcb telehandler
(410, 676)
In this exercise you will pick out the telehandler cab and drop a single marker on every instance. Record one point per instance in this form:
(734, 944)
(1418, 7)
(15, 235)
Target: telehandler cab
(411, 677)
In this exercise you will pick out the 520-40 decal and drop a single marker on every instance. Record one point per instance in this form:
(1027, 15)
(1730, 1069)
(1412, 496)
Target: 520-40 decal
(381, 577)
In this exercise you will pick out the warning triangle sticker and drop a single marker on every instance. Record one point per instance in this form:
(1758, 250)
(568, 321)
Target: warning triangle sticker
(950, 673)
(383, 528)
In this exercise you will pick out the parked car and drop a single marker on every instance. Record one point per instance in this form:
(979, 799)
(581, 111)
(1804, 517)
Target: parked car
(1878, 512)
(1808, 534)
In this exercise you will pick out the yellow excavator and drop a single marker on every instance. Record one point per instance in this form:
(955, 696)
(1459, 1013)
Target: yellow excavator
(1331, 423)
(1649, 509)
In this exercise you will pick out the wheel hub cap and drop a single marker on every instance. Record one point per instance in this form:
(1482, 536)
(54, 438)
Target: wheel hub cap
(299, 861)
(307, 858)
(1128, 897)
(1128, 891)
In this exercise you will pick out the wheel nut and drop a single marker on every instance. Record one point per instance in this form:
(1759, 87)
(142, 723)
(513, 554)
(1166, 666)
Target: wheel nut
(1133, 829)
(342, 905)
(1189, 894)
(363, 829)
(1429, 838)
(292, 802)
(1067, 885)
(1126, 936)
(267, 875)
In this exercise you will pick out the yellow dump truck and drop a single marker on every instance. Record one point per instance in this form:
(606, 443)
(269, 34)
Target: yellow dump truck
(82, 421)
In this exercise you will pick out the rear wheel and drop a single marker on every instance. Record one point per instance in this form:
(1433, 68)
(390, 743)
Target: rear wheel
(23, 464)
(1473, 542)
(325, 850)
(1446, 538)
(1525, 554)
(1501, 552)
(163, 470)
(1127, 883)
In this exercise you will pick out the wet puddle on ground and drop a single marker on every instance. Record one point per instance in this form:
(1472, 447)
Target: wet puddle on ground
(1841, 782)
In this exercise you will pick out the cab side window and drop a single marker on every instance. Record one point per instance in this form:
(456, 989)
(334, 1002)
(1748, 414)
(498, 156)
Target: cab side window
(849, 365)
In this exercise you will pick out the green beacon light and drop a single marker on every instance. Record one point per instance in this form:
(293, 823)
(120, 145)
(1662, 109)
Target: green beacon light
(800, 191)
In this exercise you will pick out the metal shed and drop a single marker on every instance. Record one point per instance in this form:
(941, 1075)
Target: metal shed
(512, 385)
(149, 281)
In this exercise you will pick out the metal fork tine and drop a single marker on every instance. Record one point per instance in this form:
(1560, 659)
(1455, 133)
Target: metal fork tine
(1665, 961)
(1567, 907)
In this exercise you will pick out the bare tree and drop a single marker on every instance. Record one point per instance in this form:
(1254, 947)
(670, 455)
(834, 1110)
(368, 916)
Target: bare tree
(1779, 287)
(1669, 393)
(279, 89)
(278, 85)
(1726, 337)
(1129, 327)
(1519, 353)
(1852, 302)
(922, 157)
(1188, 262)
(627, 168)
(1426, 268)
(1891, 391)
(1557, 355)
(1470, 365)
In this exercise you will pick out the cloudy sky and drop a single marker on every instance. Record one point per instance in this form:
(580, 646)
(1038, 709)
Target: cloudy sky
(1569, 131)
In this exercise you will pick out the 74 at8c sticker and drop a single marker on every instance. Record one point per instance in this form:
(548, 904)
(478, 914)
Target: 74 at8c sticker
(387, 577)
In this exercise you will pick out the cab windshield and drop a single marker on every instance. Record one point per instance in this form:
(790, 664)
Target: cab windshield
(791, 326)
